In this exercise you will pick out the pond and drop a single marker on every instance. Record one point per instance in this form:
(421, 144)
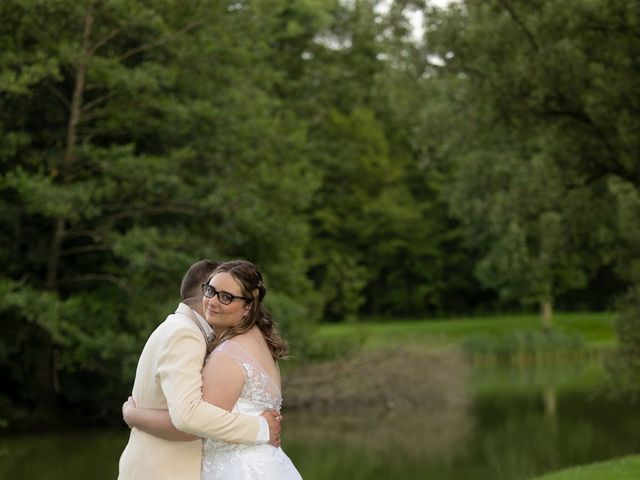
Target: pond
(519, 423)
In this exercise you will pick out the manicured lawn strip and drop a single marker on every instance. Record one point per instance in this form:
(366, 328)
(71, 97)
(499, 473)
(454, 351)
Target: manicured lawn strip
(595, 328)
(627, 468)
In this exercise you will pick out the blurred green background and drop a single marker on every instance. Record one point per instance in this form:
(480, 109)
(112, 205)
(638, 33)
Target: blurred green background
(458, 178)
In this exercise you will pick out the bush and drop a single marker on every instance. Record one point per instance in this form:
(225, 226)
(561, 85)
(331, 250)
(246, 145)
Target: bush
(523, 347)
(320, 348)
(624, 365)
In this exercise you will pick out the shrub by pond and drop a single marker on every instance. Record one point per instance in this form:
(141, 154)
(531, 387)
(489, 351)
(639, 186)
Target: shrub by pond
(525, 347)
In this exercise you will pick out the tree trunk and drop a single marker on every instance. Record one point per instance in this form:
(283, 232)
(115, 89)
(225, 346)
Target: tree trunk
(44, 375)
(546, 310)
(75, 112)
(47, 369)
(54, 254)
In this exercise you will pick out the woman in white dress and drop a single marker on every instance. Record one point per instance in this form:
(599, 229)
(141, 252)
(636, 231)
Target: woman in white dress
(241, 375)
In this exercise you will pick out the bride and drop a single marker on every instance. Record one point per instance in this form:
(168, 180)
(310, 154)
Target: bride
(241, 375)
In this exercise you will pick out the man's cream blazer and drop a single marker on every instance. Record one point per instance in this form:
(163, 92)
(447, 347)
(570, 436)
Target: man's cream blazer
(169, 375)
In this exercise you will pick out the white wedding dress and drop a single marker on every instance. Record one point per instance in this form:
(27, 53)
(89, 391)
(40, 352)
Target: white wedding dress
(231, 461)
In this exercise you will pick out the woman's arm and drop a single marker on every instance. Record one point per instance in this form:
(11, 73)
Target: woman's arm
(222, 381)
(154, 422)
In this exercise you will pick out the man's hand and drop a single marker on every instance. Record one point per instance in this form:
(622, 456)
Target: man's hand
(273, 418)
(126, 408)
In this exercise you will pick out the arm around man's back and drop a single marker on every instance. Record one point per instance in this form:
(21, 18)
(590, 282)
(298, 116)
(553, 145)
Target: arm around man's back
(179, 369)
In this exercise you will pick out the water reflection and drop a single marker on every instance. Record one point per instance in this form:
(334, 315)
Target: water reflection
(516, 424)
(421, 435)
(550, 401)
(521, 423)
(414, 402)
(62, 456)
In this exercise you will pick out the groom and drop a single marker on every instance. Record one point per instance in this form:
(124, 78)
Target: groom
(169, 377)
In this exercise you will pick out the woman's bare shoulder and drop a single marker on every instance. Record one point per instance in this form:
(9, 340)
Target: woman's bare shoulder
(250, 341)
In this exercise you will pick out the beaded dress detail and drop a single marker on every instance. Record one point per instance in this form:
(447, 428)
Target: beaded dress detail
(231, 461)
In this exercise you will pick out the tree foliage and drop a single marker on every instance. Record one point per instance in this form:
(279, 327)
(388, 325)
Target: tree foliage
(490, 163)
(544, 135)
(129, 153)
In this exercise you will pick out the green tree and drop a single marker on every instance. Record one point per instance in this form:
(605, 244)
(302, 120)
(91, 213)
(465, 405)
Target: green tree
(380, 239)
(625, 252)
(137, 137)
(541, 140)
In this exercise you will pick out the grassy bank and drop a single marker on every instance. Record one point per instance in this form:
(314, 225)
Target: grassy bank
(595, 330)
(627, 468)
(487, 338)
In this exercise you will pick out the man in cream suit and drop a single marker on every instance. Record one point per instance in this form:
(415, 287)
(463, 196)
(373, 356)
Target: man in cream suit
(169, 377)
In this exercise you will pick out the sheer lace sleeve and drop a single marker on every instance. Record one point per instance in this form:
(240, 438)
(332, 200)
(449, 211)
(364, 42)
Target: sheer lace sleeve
(259, 387)
(231, 461)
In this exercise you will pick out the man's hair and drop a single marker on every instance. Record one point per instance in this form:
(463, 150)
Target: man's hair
(191, 286)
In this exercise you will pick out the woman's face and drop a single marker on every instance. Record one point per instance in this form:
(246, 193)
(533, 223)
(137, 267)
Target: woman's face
(222, 317)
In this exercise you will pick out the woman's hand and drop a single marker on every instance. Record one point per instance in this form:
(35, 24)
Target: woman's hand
(274, 419)
(126, 410)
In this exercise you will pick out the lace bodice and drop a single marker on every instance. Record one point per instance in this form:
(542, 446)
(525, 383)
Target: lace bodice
(260, 392)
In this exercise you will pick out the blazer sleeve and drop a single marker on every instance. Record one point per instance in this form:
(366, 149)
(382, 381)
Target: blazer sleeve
(180, 374)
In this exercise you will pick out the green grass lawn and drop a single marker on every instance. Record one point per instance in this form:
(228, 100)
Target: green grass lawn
(595, 328)
(627, 468)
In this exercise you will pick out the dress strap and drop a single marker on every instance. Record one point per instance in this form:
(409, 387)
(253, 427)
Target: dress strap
(243, 356)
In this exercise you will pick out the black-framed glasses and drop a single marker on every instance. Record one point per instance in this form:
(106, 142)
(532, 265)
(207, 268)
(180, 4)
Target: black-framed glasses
(225, 297)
